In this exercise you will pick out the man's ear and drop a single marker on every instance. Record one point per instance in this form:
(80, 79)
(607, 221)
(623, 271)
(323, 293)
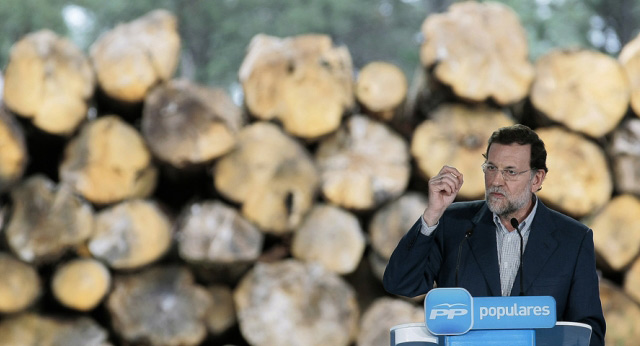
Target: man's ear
(538, 179)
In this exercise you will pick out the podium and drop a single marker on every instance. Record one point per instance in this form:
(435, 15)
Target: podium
(454, 318)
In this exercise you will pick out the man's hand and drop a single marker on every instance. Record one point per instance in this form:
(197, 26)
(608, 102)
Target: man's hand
(443, 189)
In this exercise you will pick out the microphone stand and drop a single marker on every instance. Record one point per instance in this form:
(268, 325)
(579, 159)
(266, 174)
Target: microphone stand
(467, 235)
(514, 224)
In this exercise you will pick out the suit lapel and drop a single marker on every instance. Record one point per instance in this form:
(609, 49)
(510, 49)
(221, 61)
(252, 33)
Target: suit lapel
(484, 249)
(540, 246)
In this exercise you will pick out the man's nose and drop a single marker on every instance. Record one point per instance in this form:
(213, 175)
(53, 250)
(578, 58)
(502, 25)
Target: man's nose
(497, 179)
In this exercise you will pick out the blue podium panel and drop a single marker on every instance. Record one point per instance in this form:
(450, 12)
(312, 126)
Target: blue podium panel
(503, 337)
(412, 334)
(565, 333)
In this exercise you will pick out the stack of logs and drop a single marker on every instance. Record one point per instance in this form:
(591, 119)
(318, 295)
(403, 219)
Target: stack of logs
(141, 209)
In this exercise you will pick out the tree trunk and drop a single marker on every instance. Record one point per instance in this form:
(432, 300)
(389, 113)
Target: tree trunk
(290, 303)
(186, 124)
(19, 287)
(130, 234)
(363, 165)
(579, 181)
(480, 51)
(616, 231)
(49, 80)
(271, 174)
(622, 315)
(383, 314)
(330, 236)
(46, 220)
(303, 81)
(624, 152)
(81, 284)
(13, 156)
(457, 135)
(585, 90)
(381, 89)
(133, 57)
(109, 162)
(213, 233)
(159, 306)
(32, 329)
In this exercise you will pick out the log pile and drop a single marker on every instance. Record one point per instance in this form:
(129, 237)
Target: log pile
(195, 221)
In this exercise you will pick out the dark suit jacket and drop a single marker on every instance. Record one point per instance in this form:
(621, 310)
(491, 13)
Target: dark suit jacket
(559, 261)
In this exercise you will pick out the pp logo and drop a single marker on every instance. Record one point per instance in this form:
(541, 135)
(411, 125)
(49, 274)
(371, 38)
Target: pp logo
(448, 311)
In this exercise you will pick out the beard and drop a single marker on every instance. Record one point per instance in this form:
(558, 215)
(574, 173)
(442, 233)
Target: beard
(510, 204)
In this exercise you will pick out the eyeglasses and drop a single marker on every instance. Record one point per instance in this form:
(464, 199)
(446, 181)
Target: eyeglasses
(507, 174)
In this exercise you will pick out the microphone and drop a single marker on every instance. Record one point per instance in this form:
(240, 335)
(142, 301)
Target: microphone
(514, 224)
(467, 235)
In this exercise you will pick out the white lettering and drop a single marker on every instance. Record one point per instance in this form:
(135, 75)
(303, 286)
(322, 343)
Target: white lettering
(501, 311)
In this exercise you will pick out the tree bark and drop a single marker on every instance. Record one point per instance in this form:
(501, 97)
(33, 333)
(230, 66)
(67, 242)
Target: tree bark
(616, 232)
(134, 56)
(304, 81)
(109, 162)
(479, 50)
(46, 220)
(130, 234)
(186, 124)
(14, 155)
(159, 306)
(81, 284)
(572, 186)
(624, 153)
(271, 174)
(330, 236)
(457, 135)
(363, 165)
(290, 303)
(383, 314)
(585, 90)
(50, 81)
(381, 89)
(19, 287)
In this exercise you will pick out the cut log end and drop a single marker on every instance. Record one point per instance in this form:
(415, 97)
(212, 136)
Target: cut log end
(480, 50)
(330, 236)
(149, 45)
(585, 90)
(20, 285)
(457, 136)
(571, 186)
(131, 234)
(616, 232)
(81, 284)
(159, 306)
(380, 89)
(49, 80)
(303, 81)
(305, 303)
(363, 165)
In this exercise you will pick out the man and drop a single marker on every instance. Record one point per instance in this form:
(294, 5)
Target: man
(559, 258)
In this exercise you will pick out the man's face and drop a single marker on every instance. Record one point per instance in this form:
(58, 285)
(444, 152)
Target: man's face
(509, 198)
